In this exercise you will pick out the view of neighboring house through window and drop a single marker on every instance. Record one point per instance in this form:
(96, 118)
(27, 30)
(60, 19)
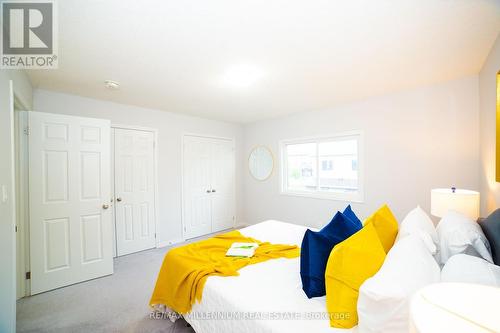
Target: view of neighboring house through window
(327, 164)
(323, 167)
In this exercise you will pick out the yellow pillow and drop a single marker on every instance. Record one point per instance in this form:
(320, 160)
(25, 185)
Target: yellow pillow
(351, 262)
(386, 226)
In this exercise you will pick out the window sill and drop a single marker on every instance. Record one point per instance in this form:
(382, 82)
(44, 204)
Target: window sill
(347, 197)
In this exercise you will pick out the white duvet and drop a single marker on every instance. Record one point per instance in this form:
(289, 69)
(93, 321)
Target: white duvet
(265, 297)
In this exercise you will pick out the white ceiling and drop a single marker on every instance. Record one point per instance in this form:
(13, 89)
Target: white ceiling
(174, 55)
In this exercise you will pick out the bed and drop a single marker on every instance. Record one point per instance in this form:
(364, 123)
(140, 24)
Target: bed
(266, 297)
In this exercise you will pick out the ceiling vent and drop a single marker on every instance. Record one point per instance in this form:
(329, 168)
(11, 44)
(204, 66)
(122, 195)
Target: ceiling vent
(112, 85)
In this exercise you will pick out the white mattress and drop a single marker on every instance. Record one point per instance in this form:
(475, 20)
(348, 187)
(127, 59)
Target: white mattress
(271, 291)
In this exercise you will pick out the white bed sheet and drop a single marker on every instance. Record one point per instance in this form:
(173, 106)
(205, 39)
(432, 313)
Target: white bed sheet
(269, 289)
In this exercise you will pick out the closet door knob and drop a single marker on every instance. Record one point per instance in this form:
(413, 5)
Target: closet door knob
(105, 206)
(118, 199)
(208, 191)
(213, 191)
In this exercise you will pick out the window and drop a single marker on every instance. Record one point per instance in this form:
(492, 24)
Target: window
(327, 167)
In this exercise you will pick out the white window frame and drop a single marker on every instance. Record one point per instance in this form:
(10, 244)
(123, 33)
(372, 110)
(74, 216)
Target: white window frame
(350, 197)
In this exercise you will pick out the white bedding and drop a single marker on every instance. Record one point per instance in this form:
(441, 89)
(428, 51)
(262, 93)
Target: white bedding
(269, 289)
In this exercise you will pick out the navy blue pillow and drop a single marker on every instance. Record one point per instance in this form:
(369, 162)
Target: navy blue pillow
(350, 214)
(491, 229)
(316, 248)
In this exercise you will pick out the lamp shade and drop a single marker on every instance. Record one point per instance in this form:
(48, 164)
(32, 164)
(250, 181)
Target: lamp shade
(462, 201)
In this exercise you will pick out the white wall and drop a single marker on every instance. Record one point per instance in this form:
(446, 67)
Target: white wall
(490, 189)
(170, 127)
(414, 141)
(22, 90)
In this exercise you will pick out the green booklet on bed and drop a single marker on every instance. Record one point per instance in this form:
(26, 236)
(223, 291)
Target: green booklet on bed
(245, 250)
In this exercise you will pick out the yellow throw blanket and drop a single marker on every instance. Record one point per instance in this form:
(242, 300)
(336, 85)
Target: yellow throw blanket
(185, 269)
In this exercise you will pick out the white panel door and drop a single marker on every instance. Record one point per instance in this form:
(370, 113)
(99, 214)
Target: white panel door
(134, 190)
(70, 225)
(197, 206)
(223, 185)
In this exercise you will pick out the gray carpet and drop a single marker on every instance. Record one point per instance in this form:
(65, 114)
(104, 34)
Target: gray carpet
(116, 303)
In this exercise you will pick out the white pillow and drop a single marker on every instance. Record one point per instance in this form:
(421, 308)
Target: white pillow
(459, 234)
(417, 222)
(383, 303)
(469, 269)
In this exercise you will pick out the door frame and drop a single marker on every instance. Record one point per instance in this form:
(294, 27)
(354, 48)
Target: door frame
(155, 175)
(22, 201)
(190, 134)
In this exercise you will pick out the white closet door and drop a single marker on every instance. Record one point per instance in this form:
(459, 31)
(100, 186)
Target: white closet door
(197, 207)
(223, 185)
(70, 225)
(134, 190)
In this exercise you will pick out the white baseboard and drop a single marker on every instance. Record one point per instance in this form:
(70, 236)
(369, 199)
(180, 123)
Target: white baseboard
(169, 242)
(240, 225)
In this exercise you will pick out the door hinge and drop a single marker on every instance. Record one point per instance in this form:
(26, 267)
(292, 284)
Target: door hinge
(28, 275)
(16, 228)
(155, 234)
(27, 130)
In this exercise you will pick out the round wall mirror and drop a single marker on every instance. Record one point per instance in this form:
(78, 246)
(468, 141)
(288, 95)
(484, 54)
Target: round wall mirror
(260, 163)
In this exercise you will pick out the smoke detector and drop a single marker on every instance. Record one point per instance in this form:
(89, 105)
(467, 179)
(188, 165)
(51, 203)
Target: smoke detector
(112, 85)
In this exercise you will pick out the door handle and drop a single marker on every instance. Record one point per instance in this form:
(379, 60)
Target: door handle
(213, 191)
(105, 206)
(208, 191)
(119, 199)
